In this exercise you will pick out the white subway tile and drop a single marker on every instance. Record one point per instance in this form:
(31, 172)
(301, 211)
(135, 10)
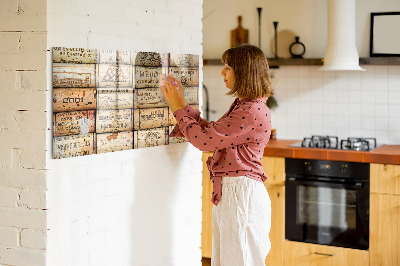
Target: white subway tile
(292, 82)
(342, 97)
(355, 122)
(342, 109)
(368, 123)
(394, 110)
(355, 132)
(381, 97)
(367, 96)
(382, 123)
(382, 136)
(355, 96)
(291, 71)
(303, 82)
(394, 137)
(394, 71)
(394, 97)
(329, 109)
(304, 72)
(381, 110)
(355, 109)
(380, 71)
(342, 122)
(394, 83)
(368, 110)
(394, 123)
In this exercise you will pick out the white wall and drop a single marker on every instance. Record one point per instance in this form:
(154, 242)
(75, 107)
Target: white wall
(304, 18)
(23, 132)
(311, 102)
(136, 207)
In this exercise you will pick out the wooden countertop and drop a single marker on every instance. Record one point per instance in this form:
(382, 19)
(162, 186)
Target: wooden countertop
(389, 154)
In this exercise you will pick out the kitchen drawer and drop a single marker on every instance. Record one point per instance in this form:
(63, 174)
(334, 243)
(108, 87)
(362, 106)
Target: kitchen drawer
(305, 254)
(385, 178)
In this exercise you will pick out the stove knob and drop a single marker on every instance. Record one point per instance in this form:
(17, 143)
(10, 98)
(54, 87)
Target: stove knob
(343, 168)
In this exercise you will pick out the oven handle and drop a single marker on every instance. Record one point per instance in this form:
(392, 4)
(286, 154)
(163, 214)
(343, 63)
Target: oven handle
(357, 185)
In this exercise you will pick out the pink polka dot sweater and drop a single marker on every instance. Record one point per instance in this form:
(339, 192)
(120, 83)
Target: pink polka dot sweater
(238, 139)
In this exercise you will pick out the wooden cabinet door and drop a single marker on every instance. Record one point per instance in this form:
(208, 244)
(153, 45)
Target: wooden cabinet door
(206, 226)
(385, 178)
(277, 233)
(305, 254)
(384, 236)
(274, 168)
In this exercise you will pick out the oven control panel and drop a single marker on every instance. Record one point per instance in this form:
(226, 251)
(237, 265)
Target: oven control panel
(337, 169)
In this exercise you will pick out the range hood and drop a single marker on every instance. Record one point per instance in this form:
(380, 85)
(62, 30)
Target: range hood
(341, 51)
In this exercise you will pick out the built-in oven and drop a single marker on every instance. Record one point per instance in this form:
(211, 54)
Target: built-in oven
(327, 202)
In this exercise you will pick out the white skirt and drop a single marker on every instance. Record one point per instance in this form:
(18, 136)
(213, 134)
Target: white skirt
(241, 223)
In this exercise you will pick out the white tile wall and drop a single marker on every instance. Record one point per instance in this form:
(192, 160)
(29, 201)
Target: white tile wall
(313, 102)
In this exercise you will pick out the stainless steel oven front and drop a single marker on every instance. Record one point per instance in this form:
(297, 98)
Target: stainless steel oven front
(327, 202)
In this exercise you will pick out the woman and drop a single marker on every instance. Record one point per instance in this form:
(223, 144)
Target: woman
(242, 208)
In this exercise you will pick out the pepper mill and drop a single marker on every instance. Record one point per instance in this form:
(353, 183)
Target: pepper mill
(276, 38)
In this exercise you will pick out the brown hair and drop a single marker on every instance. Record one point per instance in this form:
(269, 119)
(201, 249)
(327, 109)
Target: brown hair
(250, 66)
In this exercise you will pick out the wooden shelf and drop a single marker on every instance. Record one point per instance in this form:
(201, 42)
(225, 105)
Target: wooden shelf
(274, 63)
(380, 61)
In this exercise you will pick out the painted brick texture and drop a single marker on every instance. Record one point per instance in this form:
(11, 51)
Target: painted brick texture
(23, 218)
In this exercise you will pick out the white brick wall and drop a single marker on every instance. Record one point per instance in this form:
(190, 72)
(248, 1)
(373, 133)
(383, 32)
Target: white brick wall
(137, 207)
(23, 132)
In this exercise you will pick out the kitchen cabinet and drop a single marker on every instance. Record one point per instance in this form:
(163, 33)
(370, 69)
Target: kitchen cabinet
(274, 168)
(206, 225)
(305, 254)
(385, 214)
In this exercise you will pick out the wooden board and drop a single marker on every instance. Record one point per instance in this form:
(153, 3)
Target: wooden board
(74, 55)
(114, 120)
(385, 178)
(150, 118)
(73, 123)
(117, 141)
(150, 137)
(206, 224)
(73, 146)
(298, 253)
(384, 245)
(115, 98)
(73, 99)
(74, 75)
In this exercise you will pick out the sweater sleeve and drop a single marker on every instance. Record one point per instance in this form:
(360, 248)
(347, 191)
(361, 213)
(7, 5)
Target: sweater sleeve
(229, 131)
(193, 113)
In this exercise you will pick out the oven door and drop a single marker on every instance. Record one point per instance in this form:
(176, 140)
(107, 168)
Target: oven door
(327, 213)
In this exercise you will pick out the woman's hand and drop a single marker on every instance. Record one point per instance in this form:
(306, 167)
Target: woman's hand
(173, 92)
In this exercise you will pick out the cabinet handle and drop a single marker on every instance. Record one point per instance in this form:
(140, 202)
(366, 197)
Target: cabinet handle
(325, 254)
